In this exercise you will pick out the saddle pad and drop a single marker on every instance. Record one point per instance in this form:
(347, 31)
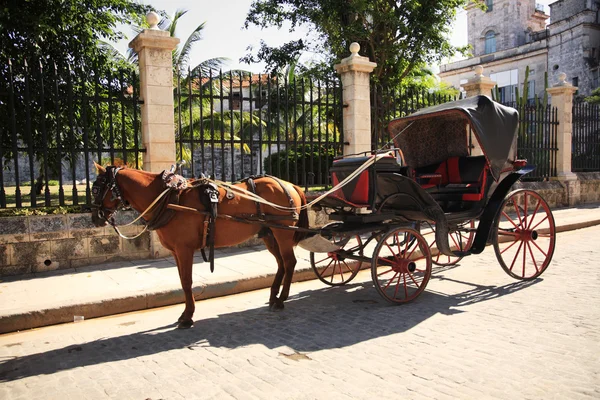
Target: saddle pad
(174, 181)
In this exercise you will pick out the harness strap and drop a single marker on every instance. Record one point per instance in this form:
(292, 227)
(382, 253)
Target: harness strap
(252, 186)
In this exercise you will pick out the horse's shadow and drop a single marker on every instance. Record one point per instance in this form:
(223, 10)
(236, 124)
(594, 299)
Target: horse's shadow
(313, 320)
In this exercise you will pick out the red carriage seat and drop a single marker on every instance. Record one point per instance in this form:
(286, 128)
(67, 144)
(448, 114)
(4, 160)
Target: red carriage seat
(360, 191)
(458, 178)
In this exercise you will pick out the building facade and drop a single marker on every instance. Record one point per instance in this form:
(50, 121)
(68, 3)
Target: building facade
(510, 36)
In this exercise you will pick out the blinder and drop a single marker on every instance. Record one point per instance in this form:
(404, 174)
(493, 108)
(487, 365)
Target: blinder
(100, 188)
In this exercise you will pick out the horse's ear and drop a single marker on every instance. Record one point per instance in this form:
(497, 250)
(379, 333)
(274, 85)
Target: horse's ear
(99, 168)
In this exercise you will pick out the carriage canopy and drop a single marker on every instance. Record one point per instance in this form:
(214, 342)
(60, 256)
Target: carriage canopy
(437, 133)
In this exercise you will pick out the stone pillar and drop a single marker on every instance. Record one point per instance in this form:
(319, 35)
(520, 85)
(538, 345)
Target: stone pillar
(154, 48)
(478, 85)
(355, 71)
(562, 98)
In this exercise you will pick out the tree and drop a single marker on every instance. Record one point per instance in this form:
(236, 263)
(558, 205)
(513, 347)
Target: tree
(594, 98)
(181, 55)
(398, 35)
(56, 47)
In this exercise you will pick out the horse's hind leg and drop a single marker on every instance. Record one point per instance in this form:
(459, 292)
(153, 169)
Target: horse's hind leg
(273, 248)
(184, 258)
(285, 243)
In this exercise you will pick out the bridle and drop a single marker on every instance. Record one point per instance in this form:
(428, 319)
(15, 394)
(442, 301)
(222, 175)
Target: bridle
(100, 188)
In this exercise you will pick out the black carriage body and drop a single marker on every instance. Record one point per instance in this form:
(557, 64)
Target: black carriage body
(362, 190)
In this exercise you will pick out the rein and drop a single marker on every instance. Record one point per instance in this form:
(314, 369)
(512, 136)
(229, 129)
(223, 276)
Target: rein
(254, 197)
(109, 182)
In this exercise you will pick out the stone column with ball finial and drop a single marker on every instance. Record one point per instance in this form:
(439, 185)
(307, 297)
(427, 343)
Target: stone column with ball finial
(154, 49)
(355, 71)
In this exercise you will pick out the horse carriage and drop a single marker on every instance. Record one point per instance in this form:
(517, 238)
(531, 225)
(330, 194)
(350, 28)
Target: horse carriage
(441, 203)
(429, 200)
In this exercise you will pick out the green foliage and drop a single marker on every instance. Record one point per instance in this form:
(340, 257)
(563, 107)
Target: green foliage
(301, 160)
(181, 54)
(594, 98)
(398, 35)
(58, 53)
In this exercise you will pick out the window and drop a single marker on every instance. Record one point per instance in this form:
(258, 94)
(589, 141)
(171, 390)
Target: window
(235, 102)
(530, 91)
(489, 4)
(576, 81)
(490, 42)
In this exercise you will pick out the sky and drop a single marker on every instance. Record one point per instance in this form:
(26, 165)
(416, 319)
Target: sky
(224, 35)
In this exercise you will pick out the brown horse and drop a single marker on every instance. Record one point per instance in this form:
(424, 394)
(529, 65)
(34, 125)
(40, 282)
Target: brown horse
(183, 234)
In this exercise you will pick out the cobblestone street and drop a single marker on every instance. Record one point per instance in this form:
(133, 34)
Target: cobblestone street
(475, 333)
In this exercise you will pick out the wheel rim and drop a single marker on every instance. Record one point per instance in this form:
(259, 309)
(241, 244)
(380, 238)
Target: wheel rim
(334, 268)
(525, 235)
(458, 240)
(401, 265)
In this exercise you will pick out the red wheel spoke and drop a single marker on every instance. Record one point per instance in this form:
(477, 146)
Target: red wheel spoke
(405, 288)
(341, 272)
(524, 257)
(413, 279)
(516, 208)
(538, 224)
(538, 247)
(390, 281)
(320, 261)
(511, 245)
(327, 267)
(525, 212)
(533, 258)
(516, 255)
(397, 286)
(385, 272)
(412, 251)
(391, 251)
(347, 267)
(510, 219)
(533, 215)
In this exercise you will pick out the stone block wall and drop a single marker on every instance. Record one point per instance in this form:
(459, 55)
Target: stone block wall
(45, 243)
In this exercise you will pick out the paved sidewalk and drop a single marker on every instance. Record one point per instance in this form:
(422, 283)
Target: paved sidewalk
(48, 298)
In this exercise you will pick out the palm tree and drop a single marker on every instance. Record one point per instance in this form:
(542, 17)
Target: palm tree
(181, 55)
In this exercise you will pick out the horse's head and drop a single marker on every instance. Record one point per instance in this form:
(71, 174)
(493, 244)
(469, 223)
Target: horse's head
(107, 196)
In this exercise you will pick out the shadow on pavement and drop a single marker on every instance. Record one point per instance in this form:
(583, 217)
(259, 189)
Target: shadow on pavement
(313, 320)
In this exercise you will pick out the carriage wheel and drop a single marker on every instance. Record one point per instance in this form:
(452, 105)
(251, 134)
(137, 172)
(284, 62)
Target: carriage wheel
(460, 239)
(401, 265)
(524, 235)
(334, 268)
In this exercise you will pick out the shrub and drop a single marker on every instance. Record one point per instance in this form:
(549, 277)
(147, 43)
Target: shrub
(305, 160)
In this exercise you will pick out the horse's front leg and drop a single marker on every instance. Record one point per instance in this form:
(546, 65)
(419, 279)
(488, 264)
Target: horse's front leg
(271, 244)
(285, 243)
(184, 258)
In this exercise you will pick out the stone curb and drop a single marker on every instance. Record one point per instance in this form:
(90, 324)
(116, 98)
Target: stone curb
(166, 297)
(161, 298)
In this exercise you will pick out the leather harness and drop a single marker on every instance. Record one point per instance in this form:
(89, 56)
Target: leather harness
(209, 197)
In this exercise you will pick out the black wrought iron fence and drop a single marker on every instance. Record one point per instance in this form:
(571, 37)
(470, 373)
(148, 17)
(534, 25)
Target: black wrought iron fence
(537, 140)
(586, 137)
(387, 104)
(233, 125)
(55, 120)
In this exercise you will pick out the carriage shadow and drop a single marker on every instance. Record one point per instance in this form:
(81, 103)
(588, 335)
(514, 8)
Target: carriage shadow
(313, 320)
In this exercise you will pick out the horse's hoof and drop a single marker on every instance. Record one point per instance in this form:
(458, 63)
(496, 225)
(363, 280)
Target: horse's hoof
(185, 324)
(276, 306)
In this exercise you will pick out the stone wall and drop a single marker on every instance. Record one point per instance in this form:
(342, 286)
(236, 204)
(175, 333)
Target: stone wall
(45, 243)
(9, 177)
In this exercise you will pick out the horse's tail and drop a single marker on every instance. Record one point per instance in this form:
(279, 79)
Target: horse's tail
(303, 221)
